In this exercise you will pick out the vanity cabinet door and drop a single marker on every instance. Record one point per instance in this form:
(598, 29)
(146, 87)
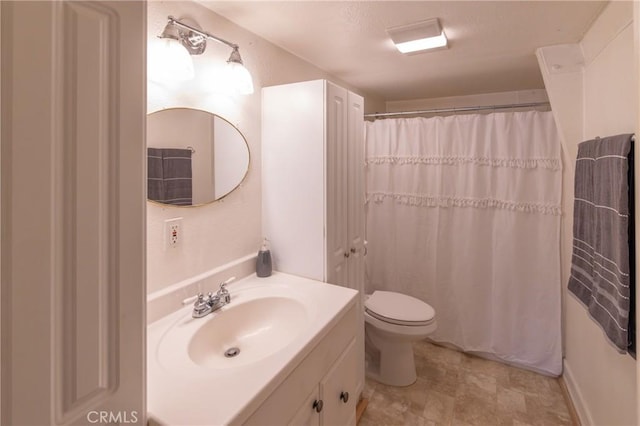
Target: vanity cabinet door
(308, 414)
(333, 402)
(338, 389)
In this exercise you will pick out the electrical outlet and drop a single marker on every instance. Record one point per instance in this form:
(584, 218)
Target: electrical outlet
(172, 233)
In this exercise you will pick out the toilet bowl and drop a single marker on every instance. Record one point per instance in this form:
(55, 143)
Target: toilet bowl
(393, 321)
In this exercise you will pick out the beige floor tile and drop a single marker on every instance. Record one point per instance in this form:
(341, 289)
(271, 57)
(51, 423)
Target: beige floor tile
(511, 401)
(413, 419)
(440, 378)
(413, 396)
(475, 408)
(519, 423)
(438, 408)
(478, 382)
(458, 422)
(382, 410)
(528, 382)
(492, 368)
(437, 354)
(542, 411)
(369, 388)
(386, 409)
(458, 389)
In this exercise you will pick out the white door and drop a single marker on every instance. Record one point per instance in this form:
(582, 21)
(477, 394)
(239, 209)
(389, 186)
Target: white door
(73, 212)
(355, 202)
(336, 185)
(356, 216)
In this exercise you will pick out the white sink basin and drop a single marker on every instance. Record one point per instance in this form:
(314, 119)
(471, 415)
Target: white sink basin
(262, 319)
(247, 332)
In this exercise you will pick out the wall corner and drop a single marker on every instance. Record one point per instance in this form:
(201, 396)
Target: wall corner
(562, 68)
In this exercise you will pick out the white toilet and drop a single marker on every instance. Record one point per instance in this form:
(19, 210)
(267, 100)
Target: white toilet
(393, 321)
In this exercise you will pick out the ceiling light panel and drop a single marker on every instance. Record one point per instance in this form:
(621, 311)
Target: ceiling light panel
(418, 36)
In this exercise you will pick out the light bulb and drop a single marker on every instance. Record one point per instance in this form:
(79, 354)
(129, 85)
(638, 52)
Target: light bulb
(169, 61)
(239, 77)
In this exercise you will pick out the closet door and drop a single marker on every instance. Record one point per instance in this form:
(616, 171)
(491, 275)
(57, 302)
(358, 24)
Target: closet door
(336, 185)
(356, 215)
(355, 202)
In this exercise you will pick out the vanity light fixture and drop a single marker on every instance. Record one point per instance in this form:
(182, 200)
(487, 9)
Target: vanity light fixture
(171, 60)
(193, 41)
(418, 36)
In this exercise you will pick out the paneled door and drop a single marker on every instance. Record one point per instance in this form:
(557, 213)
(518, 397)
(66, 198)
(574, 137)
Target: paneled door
(73, 212)
(356, 215)
(337, 189)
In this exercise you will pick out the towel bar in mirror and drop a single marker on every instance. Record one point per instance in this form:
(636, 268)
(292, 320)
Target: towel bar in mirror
(194, 157)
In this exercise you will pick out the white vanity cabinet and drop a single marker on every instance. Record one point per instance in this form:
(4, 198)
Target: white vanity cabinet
(312, 180)
(322, 389)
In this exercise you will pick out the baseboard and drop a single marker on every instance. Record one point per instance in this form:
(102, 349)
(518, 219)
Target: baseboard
(575, 419)
(362, 405)
(575, 400)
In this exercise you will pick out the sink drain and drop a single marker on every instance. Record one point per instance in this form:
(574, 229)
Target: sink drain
(231, 352)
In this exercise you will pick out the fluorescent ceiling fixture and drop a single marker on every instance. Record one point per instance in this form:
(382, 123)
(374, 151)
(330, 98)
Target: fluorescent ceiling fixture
(418, 36)
(423, 44)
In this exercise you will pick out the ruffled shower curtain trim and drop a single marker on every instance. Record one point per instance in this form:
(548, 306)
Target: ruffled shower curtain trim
(518, 163)
(422, 200)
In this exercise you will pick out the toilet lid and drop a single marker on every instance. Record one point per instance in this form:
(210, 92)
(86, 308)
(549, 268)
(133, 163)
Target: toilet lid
(399, 308)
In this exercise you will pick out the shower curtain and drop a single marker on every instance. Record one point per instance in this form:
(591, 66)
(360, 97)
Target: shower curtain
(463, 212)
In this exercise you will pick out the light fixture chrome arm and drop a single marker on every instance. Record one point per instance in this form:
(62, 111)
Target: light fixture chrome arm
(194, 41)
(206, 34)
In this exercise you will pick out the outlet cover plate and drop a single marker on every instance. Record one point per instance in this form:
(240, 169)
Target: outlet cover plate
(173, 233)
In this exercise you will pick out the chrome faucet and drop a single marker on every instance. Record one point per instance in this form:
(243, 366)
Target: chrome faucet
(204, 306)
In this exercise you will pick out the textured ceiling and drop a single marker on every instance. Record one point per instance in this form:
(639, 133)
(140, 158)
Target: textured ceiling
(491, 43)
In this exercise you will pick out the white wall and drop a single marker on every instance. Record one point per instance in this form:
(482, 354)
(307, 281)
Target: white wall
(593, 91)
(229, 229)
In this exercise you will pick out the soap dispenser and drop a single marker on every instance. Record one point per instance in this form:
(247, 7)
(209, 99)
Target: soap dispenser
(263, 263)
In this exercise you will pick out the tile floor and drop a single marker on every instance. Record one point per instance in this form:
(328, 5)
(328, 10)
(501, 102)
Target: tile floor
(454, 388)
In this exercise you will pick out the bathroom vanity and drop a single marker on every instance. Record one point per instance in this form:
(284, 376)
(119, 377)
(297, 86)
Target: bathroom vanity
(291, 357)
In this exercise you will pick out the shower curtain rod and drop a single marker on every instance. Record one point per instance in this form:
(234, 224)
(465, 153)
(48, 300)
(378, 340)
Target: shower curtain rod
(455, 109)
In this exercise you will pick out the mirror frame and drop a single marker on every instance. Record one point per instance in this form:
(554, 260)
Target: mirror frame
(244, 177)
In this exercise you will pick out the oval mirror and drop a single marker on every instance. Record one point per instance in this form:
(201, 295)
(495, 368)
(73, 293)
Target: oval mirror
(193, 157)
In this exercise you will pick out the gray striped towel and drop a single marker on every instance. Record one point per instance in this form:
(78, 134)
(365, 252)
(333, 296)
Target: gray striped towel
(169, 176)
(600, 276)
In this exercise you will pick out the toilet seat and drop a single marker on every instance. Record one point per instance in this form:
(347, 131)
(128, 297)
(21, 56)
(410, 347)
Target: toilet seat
(399, 309)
